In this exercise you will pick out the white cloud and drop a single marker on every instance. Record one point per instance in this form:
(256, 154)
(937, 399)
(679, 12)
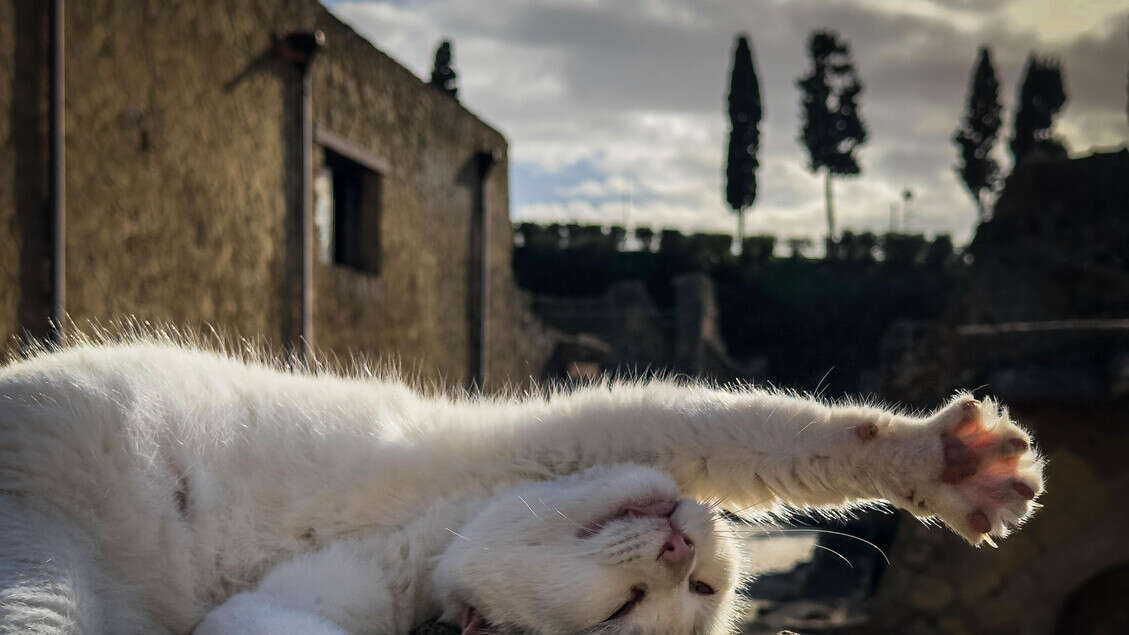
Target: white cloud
(1060, 21)
(611, 186)
(964, 17)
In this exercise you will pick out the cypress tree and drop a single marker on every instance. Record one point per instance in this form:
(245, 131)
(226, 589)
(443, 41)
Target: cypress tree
(745, 114)
(977, 133)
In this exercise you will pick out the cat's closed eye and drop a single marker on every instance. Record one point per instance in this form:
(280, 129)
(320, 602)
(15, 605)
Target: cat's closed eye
(637, 595)
(701, 588)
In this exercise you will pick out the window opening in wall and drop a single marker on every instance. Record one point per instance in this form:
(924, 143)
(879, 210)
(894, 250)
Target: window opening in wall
(347, 213)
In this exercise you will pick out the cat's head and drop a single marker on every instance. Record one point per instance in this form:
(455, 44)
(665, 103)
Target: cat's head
(609, 550)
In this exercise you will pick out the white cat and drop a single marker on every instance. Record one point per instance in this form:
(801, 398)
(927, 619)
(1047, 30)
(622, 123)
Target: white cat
(143, 485)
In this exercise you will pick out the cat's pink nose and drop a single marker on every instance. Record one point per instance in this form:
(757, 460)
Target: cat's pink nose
(678, 550)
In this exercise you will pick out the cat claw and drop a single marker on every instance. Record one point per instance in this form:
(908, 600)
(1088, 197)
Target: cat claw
(962, 413)
(970, 411)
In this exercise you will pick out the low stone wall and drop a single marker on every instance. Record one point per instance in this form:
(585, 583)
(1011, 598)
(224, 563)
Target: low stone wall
(640, 337)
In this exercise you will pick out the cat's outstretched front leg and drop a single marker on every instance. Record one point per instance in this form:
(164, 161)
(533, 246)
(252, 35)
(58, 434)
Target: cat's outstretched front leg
(966, 464)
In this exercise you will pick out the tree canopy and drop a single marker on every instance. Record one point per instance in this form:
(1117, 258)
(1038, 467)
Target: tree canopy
(978, 131)
(1041, 95)
(833, 127)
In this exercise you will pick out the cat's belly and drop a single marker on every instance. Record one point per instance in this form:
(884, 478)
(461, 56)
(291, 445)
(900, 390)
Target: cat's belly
(191, 491)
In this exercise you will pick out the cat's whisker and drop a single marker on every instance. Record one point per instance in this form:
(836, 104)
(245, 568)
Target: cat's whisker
(841, 556)
(528, 506)
(715, 503)
(806, 426)
(738, 512)
(745, 531)
(457, 534)
(580, 525)
(818, 391)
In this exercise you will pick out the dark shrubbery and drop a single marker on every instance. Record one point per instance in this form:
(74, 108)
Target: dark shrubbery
(806, 316)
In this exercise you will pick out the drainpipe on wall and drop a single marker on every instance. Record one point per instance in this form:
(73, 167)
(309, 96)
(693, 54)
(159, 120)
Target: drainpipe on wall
(301, 48)
(58, 176)
(484, 161)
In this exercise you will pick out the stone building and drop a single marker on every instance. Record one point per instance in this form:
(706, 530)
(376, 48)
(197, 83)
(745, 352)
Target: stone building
(183, 156)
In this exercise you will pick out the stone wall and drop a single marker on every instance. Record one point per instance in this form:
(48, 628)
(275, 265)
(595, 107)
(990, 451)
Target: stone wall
(180, 164)
(638, 337)
(637, 333)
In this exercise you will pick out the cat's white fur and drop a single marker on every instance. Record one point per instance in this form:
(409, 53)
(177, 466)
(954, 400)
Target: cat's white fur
(143, 484)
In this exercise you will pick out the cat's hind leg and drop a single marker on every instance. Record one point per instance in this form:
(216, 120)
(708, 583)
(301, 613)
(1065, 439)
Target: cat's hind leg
(51, 581)
(336, 590)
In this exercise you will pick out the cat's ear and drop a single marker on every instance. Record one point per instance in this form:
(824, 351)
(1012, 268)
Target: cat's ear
(473, 622)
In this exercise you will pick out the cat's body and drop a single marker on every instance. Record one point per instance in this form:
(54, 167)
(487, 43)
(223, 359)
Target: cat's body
(144, 484)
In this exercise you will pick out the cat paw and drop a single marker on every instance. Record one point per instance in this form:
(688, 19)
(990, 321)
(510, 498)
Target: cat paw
(987, 476)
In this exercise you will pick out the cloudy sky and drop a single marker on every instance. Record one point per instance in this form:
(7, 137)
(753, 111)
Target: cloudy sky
(615, 108)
